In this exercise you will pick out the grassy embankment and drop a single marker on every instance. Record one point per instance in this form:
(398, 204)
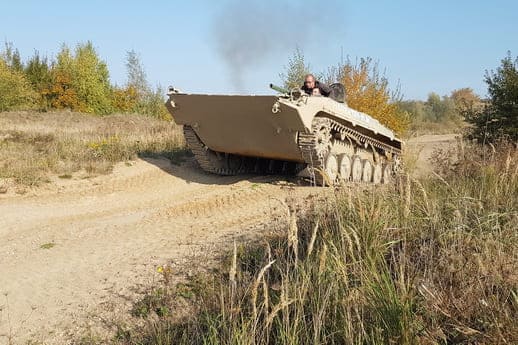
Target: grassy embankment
(430, 261)
(35, 146)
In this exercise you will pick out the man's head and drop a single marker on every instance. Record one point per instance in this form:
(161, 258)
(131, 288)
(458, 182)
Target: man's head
(309, 81)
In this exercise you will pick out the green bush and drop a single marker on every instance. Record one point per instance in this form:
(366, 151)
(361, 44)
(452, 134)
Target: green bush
(38, 71)
(91, 80)
(15, 90)
(499, 119)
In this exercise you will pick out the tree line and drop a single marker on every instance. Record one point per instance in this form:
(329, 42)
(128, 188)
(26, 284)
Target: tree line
(449, 110)
(79, 80)
(76, 79)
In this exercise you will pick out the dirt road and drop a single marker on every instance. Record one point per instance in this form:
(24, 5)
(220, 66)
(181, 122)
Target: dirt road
(81, 247)
(68, 248)
(420, 149)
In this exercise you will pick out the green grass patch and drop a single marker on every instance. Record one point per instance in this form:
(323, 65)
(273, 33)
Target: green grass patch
(48, 245)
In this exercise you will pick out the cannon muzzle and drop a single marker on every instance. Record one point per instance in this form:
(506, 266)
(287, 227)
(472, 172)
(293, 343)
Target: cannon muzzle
(279, 89)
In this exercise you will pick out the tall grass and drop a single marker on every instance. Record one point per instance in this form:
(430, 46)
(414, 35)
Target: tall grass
(34, 146)
(430, 261)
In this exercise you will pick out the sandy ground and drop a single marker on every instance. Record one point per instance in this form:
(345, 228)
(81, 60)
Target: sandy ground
(80, 250)
(419, 151)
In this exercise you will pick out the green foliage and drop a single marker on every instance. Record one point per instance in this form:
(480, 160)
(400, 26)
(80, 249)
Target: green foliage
(48, 245)
(62, 94)
(441, 114)
(12, 57)
(136, 75)
(80, 81)
(15, 90)
(416, 109)
(77, 80)
(294, 74)
(38, 72)
(91, 80)
(368, 91)
(152, 104)
(440, 109)
(138, 97)
(156, 302)
(499, 119)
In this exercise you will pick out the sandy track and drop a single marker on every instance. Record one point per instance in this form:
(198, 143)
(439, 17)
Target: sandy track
(422, 148)
(111, 232)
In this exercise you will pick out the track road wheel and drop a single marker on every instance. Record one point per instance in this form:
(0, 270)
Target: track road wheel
(387, 173)
(344, 166)
(323, 137)
(356, 169)
(328, 175)
(377, 173)
(367, 171)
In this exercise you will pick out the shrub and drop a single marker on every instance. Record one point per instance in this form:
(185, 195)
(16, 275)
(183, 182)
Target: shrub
(80, 81)
(15, 90)
(124, 99)
(500, 117)
(62, 93)
(367, 90)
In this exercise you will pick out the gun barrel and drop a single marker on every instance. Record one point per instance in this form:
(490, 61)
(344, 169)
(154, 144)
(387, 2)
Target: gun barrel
(279, 89)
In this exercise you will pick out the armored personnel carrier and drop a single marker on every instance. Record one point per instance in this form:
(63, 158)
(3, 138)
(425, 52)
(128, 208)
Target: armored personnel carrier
(317, 137)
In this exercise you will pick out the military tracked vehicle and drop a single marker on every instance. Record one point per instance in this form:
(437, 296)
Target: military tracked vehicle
(317, 137)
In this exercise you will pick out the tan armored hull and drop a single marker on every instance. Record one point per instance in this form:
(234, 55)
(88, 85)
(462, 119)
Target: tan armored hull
(242, 125)
(324, 139)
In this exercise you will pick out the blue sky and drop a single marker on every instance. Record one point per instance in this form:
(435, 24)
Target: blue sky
(227, 47)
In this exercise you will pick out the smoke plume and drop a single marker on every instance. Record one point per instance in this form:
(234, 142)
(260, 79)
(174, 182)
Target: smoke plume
(245, 34)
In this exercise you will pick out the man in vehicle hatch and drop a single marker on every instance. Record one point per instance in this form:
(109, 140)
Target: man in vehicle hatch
(313, 87)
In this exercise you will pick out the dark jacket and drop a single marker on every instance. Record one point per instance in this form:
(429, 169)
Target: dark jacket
(324, 89)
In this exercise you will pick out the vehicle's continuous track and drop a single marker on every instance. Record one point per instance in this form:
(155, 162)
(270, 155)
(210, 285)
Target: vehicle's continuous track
(334, 152)
(230, 164)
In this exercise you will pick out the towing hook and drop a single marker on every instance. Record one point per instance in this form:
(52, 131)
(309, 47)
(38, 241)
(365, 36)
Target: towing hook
(276, 108)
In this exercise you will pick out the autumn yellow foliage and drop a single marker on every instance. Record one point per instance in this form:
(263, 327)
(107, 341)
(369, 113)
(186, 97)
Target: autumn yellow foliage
(125, 99)
(15, 90)
(62, 94)
(368, 91)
